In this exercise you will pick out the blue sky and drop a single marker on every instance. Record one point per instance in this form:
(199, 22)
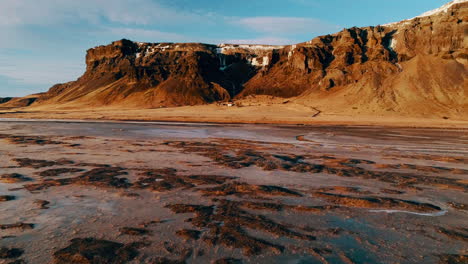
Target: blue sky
(44, 42)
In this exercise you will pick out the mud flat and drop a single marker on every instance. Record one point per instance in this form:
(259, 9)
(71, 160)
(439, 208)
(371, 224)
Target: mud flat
(130, 192)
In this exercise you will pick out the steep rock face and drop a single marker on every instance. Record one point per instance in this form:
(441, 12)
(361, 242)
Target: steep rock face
(414, 66)
(352, 55)
(160, 74)
(324, 62)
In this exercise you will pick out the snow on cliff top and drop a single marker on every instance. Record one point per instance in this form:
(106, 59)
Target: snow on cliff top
(441, 9)
(222, 48)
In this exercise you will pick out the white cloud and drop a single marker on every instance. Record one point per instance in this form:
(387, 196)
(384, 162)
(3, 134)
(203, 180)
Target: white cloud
(285, 25)
(145, 35)
(56, 33)
(46, 12)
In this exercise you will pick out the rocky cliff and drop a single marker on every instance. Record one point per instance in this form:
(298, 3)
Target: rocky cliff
(416, 66)
(161, 74)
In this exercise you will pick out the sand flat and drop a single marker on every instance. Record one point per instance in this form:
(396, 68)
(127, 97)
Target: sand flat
(200, 193)
(259, 110)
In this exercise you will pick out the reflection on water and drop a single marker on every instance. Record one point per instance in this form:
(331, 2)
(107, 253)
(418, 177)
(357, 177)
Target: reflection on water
(420, 140)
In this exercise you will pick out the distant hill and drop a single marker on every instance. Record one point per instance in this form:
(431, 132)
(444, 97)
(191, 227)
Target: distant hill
(13, 102)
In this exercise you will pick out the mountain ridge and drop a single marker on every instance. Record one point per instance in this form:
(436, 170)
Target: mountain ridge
(414, 67)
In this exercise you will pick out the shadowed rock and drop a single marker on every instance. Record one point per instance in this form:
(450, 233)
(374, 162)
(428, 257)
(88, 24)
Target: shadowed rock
(226, 223)
(36, 164)
(14, 178)
(227, 261)
(100, 177)
(22, 226)
(376, 202)
(453, 259)
(6, 198)
(58, 172)
(188, 234)
(42, 204)
(94, 251)
(132, 231)
(8, 253)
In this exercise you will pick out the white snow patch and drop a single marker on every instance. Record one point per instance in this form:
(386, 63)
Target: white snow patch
(255, 62)
(291, 52)
(393, 43)
(436, 11)
(443, 8)
(149, 50)
(222, 48)
(266, 61)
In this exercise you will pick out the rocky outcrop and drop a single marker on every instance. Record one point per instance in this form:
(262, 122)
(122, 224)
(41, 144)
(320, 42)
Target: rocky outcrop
(364, 54)
(414, 66)
(161, 74)
(14, 102)
(5, 99)
(417, 66)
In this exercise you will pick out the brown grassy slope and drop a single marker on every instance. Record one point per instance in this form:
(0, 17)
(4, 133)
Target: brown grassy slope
(426, 86)
(20, 101)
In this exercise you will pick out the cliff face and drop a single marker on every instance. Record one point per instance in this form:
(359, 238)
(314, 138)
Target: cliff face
(414, 66)
(356, 54)
(161, 74)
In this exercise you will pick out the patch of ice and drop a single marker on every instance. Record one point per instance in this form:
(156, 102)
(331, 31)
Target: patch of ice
(440, 213)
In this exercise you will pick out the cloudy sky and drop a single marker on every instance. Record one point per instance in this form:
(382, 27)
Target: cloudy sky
(43, 42)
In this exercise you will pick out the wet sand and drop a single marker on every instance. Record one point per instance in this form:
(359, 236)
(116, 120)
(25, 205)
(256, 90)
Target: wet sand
(131, 192)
